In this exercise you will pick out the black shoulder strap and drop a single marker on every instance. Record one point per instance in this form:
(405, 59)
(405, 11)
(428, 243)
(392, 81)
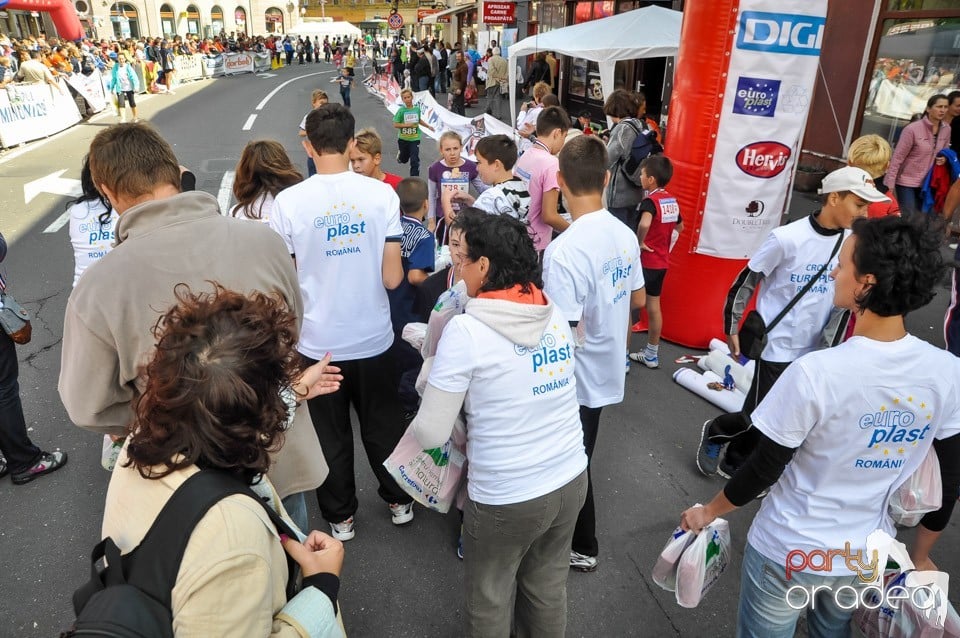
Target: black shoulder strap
(807, 287)
(153, 566)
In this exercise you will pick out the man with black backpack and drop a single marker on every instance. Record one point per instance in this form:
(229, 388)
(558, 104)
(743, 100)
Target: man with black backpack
(795, 312)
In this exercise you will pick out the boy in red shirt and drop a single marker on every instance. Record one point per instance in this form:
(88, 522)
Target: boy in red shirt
(659, 216)
(366, 155)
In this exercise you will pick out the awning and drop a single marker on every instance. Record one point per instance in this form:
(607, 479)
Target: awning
(434, 18)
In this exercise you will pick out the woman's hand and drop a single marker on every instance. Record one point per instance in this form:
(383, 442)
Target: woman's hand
(320, 378)
(696, 518)
(319, 554)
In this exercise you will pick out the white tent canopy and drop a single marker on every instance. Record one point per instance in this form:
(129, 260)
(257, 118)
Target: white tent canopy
(332, 29)
(650, 32)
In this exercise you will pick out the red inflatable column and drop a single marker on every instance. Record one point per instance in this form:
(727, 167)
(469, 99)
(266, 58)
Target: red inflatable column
(62, 13)
(696, 285)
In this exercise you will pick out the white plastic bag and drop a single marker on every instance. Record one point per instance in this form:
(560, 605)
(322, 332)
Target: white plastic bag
(921, 493)
(431, 477)
(702, 563)
(919, 608)
(665, 571)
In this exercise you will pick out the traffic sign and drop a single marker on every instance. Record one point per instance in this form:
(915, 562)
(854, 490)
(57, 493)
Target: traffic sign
(395, 21)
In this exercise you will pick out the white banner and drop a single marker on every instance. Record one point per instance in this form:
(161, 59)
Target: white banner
(261, 62)
(31, 111)
(91, 88)
(188, 67)
(213, 65)
(235, 63)
(770, 81)
(441, 119)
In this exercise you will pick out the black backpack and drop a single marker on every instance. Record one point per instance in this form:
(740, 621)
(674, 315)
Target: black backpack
(644, 145)
(130, 597)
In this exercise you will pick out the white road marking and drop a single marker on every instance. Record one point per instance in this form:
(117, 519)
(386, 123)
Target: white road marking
(270, 95)
(250, 121)
(225, 194)
(58, 223)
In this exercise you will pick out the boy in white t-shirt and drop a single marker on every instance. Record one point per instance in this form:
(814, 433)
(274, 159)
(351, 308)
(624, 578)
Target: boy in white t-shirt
(343, 231)
(506, 195)
(840, 430)
(317, 99)
(789, 257)
(592, 273)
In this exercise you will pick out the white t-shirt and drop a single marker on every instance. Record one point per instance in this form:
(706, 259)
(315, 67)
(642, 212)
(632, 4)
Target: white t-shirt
(862, 415)
(506, 198)
(263, 205)
(524, 437)
(90, 240)
(788, 258)
(589, 272)
(336, 227)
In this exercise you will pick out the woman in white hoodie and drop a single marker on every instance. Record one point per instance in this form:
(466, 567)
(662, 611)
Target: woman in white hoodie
(508, 363)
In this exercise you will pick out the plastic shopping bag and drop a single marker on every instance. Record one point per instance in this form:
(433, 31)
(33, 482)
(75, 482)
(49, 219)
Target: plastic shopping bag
(902, 603)
(450, 304)
(430, 477)
(665, 571)
(702, 563)
(921, 493)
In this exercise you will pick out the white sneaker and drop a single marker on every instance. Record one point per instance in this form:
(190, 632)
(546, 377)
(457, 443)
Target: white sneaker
(343, 531)
(402, 514)
(582, 562)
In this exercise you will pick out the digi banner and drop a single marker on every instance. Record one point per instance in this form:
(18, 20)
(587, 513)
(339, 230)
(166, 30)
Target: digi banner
(769, 86)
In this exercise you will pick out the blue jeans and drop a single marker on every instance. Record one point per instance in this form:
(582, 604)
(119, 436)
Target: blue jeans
(910, 199)
(765, 613)
(423, 82)
(345, 95)
(296, 506)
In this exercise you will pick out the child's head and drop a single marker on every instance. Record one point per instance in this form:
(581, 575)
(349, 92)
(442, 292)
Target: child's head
(318, 98)
(407, 96)
(552, 127)
(621, 104)
(367, 152)
(413, 196)
(345, 71)
(871, 153)
(330, 129)
(540, 89)
(584, 119)
(496, 155)
(450, 145)
(846, 193)
(657, 170)
(550, 100)
(583, 166)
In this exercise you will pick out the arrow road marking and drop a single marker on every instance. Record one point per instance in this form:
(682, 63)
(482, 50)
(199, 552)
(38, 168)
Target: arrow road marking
(52, 183)
(250, 121)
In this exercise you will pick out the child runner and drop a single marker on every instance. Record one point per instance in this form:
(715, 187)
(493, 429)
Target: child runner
(408, 121)
(538, 169)
(317, 99)
(367, 154)
(505, 193)
(452, 172)
(592, 273)
(872, 154)
(417, 255)
(345, 81)
(343, 231)
(659, 216)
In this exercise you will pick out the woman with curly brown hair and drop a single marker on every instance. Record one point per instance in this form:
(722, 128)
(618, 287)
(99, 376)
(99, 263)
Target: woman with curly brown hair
(263, 171)
(214, 399)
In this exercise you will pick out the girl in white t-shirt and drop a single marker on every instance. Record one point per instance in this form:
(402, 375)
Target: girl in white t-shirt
(507, 362)
(93, 225)
(263, 171)
(839, 431)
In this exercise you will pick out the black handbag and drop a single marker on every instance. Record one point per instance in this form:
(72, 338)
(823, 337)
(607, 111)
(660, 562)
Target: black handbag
(754, 331)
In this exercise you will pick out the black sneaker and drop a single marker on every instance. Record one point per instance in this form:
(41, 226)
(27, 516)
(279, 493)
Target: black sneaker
(3, 467)
(49, 462)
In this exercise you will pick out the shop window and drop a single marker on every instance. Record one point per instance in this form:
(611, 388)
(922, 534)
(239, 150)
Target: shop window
(917, 5)
(915, 59)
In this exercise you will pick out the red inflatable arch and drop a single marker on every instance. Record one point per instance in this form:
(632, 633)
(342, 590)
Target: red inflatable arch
(62, 13)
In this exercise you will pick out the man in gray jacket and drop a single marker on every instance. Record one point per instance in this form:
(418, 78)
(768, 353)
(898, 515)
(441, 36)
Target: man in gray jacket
(165, 238)
(498, 83)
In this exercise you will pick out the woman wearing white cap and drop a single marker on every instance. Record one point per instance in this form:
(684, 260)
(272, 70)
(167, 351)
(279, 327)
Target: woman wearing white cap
(791, 256)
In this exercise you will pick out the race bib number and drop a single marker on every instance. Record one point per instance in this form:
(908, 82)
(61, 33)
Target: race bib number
(669, 211)
(411, 118)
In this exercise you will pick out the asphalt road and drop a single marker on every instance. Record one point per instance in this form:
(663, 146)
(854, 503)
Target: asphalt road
(397, 581)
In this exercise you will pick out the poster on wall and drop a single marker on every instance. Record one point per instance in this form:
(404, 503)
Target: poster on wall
(594, 86)
(770, 81)
(578, 77)
(508, 37)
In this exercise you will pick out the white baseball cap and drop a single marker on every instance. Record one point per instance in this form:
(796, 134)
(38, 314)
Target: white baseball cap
(854, 180)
